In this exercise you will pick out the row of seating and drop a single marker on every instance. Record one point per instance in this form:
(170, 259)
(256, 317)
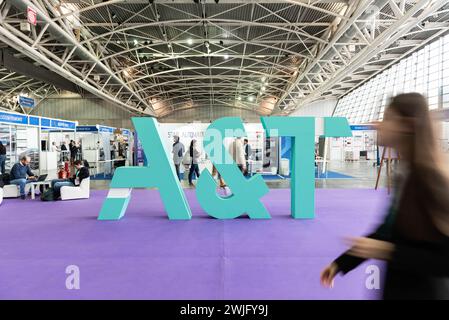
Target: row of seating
(67, 193)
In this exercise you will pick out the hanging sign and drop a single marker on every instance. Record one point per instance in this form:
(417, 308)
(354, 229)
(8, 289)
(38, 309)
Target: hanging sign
(32, 16)
(26, 102)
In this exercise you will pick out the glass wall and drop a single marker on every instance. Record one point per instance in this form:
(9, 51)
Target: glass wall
(425, 71)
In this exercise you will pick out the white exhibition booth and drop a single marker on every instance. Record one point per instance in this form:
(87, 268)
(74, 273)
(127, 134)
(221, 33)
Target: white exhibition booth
(361, 146)
(30, 135)
(34, 136)
(104, 147)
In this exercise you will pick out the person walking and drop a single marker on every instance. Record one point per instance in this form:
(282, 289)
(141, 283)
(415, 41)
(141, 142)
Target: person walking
(237, 152)
(248, 152)
(64, 152)
(72, 149)
(178, 154)
(194, 159)
(414, 236)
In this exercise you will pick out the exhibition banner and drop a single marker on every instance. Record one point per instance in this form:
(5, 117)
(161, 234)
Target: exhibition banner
(105, 129)
(34, 121)
(86, 128)
(63, 124)
(7, 117)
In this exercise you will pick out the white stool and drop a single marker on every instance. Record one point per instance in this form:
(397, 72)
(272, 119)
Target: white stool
(13, 191)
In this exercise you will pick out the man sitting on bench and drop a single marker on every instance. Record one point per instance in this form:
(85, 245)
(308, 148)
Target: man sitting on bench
(21, 175)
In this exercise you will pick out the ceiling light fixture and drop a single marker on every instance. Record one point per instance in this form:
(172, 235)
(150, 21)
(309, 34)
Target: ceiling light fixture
(190, 41)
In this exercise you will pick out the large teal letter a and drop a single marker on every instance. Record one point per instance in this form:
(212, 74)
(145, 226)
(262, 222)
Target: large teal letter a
(159, 173)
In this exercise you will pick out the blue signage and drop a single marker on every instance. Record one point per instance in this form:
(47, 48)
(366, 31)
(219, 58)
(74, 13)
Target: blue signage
(63, 124)
(126, 132)
(26, 102)
(33, 121)
(13, 118)
(45, 122)
(86, 128)
(105, 129)
(362, 127)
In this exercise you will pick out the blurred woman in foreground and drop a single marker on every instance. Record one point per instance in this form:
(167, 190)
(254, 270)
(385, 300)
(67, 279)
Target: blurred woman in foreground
(414, 237)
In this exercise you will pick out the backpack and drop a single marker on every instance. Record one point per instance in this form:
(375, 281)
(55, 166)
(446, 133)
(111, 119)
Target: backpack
(5, 179)
(48, 195)
(186, 160)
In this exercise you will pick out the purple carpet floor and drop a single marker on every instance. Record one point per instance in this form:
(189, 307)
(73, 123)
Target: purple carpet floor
(146, 256)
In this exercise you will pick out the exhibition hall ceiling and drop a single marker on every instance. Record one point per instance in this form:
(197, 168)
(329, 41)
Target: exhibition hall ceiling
(162, 56)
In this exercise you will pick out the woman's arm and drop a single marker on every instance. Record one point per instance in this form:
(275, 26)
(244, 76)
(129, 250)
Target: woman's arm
(348, 261)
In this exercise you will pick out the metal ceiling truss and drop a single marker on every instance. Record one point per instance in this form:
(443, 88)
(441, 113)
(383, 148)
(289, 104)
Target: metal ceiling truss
(162, 56)
(405, 23)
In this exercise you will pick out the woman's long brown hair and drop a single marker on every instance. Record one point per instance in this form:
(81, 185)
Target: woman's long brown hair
(427, 165)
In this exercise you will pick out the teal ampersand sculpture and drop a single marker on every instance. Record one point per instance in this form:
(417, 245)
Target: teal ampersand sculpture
(302, 131)
(246, 193)
(159, 173)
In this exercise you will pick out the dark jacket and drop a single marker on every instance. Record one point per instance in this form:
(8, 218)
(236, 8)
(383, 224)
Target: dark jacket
(19, 171)
(247, 151)
(2, 150)
(81, 174)
(419, 268)
(73, 149)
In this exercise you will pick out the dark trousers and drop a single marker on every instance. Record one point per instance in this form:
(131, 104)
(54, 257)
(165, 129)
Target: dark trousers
(178, 174)
(2, 163)
(57, 184)
(194, 169)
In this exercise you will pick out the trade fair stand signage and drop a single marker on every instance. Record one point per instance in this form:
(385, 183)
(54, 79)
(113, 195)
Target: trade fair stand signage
(44, 123)
(104, 129)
